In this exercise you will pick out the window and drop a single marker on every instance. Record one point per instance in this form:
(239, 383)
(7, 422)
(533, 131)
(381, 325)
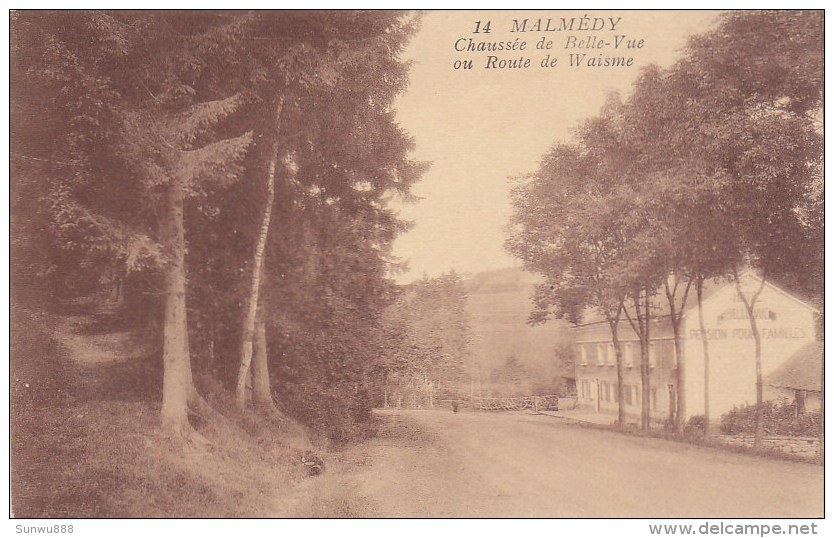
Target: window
(627, 394)
(584, 355)
(601, 354)
(611, 353)
(608, 392)
(652, 354)
(671, 358)
(629, 355)
(665, 353)
(591, 350)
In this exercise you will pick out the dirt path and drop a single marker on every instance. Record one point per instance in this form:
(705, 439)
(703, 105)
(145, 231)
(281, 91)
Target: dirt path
(439, 464)
(422, 463)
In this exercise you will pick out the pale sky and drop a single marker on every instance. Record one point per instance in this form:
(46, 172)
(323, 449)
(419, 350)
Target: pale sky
(480, 127)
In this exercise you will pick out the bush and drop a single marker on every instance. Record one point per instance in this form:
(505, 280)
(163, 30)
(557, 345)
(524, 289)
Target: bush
(694, 426)
(778, 419)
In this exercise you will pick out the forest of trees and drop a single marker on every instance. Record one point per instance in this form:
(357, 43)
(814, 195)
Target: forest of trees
(223, 177)
(709, 167)
(429, 331)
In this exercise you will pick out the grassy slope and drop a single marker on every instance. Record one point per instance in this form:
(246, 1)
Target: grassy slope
(85, 440)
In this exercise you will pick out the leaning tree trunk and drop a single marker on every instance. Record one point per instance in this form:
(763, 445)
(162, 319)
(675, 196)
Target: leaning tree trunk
(254, 294)
(177, 384)
(699, 288)
(257, 269)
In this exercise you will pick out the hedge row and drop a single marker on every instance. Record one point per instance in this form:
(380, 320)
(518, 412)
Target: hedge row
(779, 419)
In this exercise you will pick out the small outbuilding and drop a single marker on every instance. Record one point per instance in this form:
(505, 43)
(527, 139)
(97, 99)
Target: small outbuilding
(799, 379)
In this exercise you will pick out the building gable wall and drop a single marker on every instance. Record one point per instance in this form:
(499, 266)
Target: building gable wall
(785, 325)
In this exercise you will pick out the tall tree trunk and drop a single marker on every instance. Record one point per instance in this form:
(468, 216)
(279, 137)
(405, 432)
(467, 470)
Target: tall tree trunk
(261, 387)
(613, 324)
(757, 337)
(257, 269)
(645, 415)
(251, 311)
(680, 380)
(643, 335)
(822, 408)
(645, 408)
(177, 384)
(757, 440)
(618, 353)
(699, 288)
(428, 389)
(675, 313)
(640, 325)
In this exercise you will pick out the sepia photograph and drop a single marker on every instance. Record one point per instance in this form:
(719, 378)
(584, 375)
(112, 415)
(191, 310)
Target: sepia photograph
(417, 264)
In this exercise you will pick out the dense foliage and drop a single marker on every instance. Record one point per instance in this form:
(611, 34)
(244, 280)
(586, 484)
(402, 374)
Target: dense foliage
(428, 333)
(778, 419)
(709, 166)
(141, 143)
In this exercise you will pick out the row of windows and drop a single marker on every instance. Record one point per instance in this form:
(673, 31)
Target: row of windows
(602, 353)
(608, 393)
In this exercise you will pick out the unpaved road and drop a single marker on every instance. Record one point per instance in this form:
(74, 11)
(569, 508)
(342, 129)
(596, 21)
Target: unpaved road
(440, 464)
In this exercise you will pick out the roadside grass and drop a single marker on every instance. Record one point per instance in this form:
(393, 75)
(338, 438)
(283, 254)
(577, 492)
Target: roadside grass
(85, 442)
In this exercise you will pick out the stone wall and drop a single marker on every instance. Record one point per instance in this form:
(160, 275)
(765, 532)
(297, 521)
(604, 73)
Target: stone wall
(801, 446)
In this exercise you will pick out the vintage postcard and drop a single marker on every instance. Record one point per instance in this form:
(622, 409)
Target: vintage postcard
(418, 264)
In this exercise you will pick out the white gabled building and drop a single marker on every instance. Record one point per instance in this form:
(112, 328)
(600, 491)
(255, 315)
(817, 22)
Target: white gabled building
(786, 325)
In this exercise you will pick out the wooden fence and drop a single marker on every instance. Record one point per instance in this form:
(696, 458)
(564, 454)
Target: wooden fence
(536, 403)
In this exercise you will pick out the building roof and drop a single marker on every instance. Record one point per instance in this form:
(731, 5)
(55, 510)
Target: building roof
(660, 308)
(802, 370)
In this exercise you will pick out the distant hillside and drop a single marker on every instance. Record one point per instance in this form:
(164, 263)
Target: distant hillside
(500, 280)
(499, 303)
